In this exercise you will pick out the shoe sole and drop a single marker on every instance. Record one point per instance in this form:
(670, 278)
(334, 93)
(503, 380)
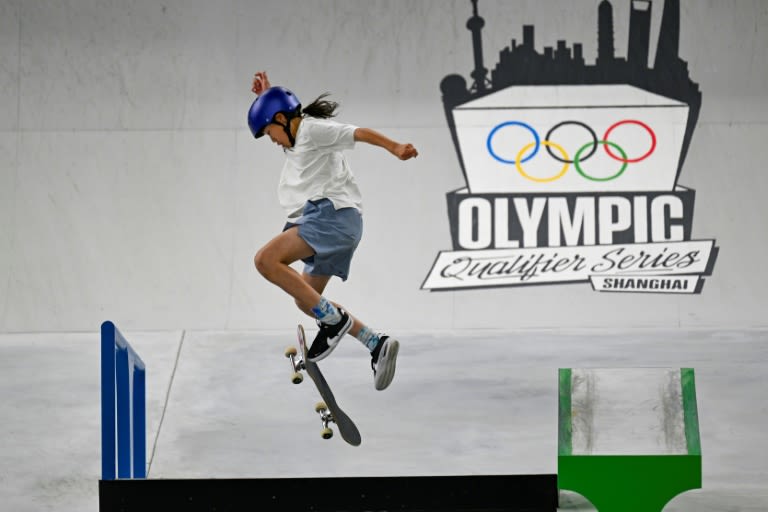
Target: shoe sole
(389, 358)
(325, 354)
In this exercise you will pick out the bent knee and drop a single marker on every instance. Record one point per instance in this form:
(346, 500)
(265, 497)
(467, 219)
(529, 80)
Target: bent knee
(264, 262)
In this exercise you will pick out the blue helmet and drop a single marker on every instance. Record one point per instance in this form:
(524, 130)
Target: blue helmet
(273, 100)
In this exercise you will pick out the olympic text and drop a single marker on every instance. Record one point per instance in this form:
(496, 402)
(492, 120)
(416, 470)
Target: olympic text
(506, 221)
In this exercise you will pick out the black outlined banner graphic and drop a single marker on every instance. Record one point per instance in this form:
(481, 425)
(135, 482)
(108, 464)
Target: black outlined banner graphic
(603, 265)
(572, 167)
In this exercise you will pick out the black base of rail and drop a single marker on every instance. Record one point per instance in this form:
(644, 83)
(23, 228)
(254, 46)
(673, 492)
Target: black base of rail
(476, 493)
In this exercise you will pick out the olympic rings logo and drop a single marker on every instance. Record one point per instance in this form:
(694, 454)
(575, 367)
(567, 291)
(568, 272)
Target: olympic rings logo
(579, 157)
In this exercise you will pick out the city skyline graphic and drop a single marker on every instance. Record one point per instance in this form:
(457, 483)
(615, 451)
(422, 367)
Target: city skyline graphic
(521, 64)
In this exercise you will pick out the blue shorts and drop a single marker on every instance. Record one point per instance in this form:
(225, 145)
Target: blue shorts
(333, 234)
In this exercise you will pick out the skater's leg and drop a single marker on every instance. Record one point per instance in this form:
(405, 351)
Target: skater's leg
(318, 283)
(382, 347)
(359, 330)
(273, 262)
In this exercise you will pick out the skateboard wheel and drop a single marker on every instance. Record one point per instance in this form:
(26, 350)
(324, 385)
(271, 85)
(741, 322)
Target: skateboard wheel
(290, 351)
(320, 406)
(297, 378)
(327, 433)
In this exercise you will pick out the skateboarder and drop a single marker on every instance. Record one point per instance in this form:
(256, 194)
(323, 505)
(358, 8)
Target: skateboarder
(323, 206)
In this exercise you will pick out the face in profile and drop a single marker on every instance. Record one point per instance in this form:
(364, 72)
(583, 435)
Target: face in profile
(277, 133)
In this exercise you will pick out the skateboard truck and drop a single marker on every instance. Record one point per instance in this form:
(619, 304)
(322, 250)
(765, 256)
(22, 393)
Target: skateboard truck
(298, 365)
(326, 417)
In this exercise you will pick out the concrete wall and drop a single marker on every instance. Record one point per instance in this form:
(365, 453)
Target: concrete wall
(132, 190)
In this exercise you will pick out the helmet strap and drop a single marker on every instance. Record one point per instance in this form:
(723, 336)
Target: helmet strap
(287, 125)
(287, 129)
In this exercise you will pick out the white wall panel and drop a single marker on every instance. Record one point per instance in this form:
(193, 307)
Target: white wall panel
(137, 173)
(8, 179)
(134, 226)
(100, 65)
(730, 186)
(9, 64)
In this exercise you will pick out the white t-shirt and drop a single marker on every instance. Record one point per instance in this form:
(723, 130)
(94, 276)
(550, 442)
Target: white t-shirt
(315, 167)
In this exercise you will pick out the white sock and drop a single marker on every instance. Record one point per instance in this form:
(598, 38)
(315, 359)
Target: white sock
(368, 338)
(326, 312)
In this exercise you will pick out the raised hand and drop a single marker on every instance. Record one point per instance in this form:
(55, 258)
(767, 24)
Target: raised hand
(260, 82)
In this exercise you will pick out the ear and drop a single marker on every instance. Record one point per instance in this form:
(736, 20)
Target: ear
(280, 118)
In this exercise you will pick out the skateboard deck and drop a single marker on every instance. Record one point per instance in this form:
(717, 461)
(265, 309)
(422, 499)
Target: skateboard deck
(329, 409)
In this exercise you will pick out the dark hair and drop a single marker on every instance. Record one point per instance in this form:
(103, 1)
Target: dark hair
(321, 108)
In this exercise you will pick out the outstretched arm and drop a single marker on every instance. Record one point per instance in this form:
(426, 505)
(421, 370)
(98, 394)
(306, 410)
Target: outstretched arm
(401, 151)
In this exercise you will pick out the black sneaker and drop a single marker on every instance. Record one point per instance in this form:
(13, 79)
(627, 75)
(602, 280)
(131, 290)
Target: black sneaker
(328, 337)
(383, 360)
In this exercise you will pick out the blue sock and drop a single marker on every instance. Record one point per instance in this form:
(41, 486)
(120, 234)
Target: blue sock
(368, 338)
(326, 312)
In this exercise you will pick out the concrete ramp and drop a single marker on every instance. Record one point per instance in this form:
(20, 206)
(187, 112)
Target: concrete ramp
(629, 437)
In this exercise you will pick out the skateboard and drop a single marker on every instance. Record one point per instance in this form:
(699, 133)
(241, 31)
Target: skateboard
(328, 409)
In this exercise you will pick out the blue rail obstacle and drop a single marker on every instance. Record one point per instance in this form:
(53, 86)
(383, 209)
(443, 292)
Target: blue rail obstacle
(628, 437)
(123, 407)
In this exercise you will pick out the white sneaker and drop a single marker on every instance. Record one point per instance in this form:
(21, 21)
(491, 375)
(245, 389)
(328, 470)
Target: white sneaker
(383, 360)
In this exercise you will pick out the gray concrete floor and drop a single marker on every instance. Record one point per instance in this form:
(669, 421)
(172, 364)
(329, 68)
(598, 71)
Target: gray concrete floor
(221, 405)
